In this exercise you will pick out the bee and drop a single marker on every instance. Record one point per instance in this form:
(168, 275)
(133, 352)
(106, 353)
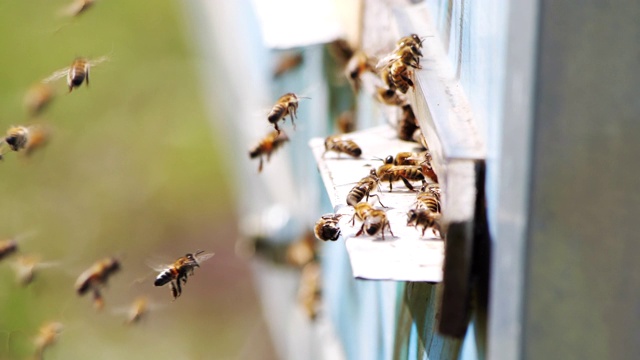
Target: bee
(96, 277)
(77, 73)
(406, 158)
(137, 311)
(363, 189)
(17, 138)
(346, 122)
(287, 62)
(427, 168)
(425, 218)
(406, 173)
(413, 42)
(267, 146)
(358, 64)
(341, 146)
(47, 336)
(310, 290)
(374, 221)
(390, 97)
(38, 97)
(407, 124)
(37, 139)
(78, 7)
(397, 67)
(327, 228)
(287, 105)
(428, 200)
(341, 51)
(8, 247)
(302, 251)
(26, 267)
(180, 270)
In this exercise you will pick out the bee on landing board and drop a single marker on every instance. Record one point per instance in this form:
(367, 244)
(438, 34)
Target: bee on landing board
(424, 218)
(337, 144)
(267, 146)
(374, 221)
(287, 105)
(96, 277)
(327, 228)
(47, 336)
(177, 273)
(363, 189)
(77, 73)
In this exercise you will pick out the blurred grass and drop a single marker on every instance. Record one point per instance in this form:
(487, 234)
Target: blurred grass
(133, 170)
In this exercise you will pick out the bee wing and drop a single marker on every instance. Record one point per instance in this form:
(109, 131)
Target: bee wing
(56, 75)
(204, 257)
(385, 61)
(157, 266)
(98, 61)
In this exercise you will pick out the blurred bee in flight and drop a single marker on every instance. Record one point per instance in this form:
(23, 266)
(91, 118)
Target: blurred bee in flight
(8, 247)
(47, 336)
(77, 8)
(17, 138)
(287, 105)
(38, 97)
(77, 73)
(26, 267)
(286, 63)
(339, 145)
(179, 271)
(137, 310)
(96, 277)
(310, 290)
(358, 64)
(267, 146)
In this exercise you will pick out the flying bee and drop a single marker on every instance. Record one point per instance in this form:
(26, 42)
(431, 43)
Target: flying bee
(287, 105)
(406, 173)
(77, 73)
(358, 64)
(424, 218)
(363, 189)
(38, 138)
(407, 124)
(180, 270)
(96, 277)
(137, 311)
(38, 97)
(267, 146)
(77, 8)
(8, 247)
(17, 138)
(346, 122)
(327, 228)
(342, 146)
(310, 290)
(286, 63)
(302, 251)
(341, 51)
(26, 266)
(390, 96)
(47, 336)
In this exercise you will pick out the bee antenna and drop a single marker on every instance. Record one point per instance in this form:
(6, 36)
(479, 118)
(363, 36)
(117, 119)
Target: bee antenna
(198, 252)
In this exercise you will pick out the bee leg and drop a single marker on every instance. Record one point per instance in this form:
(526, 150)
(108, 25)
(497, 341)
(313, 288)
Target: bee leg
(179, 287)
(361, 230)
(377, 197)
(391, 232)
(174, 291)
(353, 219)
(407, 183)
(260, 165)
(86, 79)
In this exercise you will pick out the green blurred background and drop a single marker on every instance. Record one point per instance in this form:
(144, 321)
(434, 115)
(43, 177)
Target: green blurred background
(133, 169)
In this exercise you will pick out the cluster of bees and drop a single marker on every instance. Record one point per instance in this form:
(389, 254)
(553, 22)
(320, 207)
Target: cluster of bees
(26, 139)
(394, 75)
